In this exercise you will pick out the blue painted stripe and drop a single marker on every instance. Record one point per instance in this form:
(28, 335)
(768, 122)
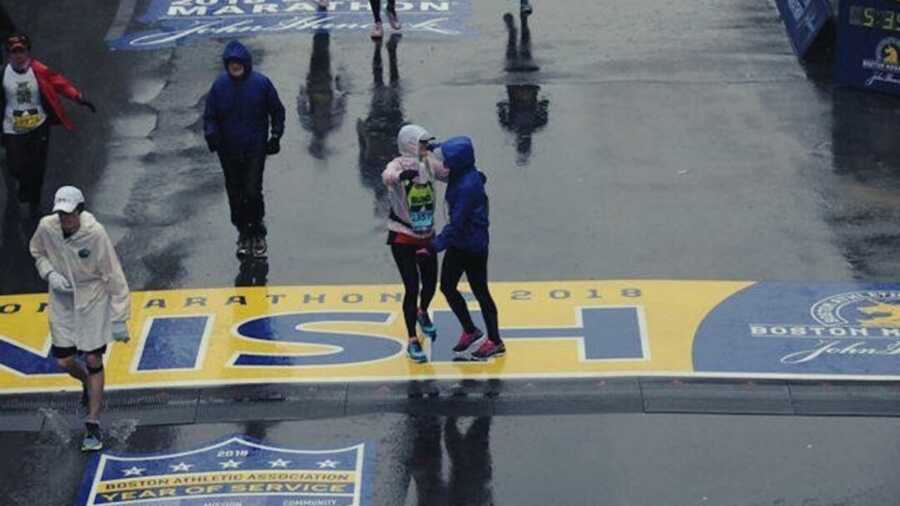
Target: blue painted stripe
(173, 343)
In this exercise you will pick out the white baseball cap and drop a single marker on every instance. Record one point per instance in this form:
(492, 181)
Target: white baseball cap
(67, 199)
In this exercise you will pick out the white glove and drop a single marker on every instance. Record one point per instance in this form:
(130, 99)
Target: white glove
(59, 283)
(120, 332)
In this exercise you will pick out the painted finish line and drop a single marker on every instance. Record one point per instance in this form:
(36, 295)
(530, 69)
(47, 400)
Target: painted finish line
(552, 329)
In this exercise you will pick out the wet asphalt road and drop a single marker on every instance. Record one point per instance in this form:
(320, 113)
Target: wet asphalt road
(612, 460)
(676, 140)
(656, 140)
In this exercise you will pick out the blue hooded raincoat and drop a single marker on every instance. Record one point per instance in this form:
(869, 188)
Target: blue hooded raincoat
(467, 201)
(238, 111)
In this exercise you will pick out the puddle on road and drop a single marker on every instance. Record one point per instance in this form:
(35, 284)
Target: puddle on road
(139, 124)
(56, 426)
(121, 430)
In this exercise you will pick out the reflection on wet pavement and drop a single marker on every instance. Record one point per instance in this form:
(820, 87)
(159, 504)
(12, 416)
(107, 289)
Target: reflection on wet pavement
(321, 103)
(377, 133)
(524, 111)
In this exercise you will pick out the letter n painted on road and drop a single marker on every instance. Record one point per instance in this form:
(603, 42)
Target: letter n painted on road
(25, 362)
(604, 333)
(291, 328)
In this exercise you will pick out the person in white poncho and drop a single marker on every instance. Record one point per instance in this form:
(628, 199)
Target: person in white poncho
(89, 300)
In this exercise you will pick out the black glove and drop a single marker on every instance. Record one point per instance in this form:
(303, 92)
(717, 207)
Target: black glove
(212, 143)
(89, 105)
(408, 175)
(273, 146)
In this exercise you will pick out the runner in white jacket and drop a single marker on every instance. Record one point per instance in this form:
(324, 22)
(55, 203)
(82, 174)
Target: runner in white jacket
(89, 301)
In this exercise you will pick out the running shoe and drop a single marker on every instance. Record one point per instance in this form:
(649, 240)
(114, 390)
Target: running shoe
(415, 352)
(426, 325)
(467, 343)
(92, 439)
(489, 349)
(243, 247)
(527, 9)
(378, 31)
(392, 19)
(259, 246)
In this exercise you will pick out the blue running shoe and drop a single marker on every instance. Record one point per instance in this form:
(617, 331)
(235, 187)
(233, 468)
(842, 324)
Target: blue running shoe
(415, 352)
(92, 441)
(426, 325)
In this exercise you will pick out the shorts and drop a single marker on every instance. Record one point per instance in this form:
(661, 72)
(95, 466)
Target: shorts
(61, 352)
(85, 330)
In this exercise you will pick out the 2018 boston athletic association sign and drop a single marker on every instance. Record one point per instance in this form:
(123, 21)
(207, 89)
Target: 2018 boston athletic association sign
(165, 23)
(552, 329)
(235, 470)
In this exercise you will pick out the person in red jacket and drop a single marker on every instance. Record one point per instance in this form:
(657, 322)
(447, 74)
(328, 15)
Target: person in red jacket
(30, 103)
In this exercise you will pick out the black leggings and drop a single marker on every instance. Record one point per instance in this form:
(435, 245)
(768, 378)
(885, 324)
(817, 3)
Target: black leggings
(474, 265)
(26, 159)
(376, 8)
(244, 186)
(410, 267)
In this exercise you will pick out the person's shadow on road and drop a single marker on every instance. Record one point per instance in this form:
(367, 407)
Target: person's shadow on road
(377, 133)
(471, 468)
(524, 111)
(322, 101)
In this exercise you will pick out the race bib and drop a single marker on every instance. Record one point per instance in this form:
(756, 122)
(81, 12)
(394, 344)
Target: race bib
(26, 121)
(420, 200)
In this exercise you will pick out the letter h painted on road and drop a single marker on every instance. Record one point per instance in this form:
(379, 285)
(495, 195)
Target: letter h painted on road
(603, 333)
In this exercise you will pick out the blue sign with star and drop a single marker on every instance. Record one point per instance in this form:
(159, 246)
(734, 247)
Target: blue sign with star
(234, 471)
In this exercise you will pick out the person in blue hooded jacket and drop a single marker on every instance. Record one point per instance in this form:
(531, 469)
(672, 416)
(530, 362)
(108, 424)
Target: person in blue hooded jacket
(465, 239)
(239, 108)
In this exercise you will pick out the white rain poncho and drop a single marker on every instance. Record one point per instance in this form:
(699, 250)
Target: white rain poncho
(89, 262)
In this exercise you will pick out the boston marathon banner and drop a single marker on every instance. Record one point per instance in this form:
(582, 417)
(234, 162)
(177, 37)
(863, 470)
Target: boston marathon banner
(235, 471)
(552, 329)
(869, 45)
(165, 23)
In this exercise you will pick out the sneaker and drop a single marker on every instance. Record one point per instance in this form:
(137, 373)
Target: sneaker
(243, 247)
(259, 246)
(377, 31)
(527, 9)
(467, 343)
(85, 398)
(92, 439)
(415, 351)
(426, 325)
(392, 19)
(489, 349)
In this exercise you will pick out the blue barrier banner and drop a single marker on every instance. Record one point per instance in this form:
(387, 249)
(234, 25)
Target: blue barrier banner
(869, 45)
(804, 21)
